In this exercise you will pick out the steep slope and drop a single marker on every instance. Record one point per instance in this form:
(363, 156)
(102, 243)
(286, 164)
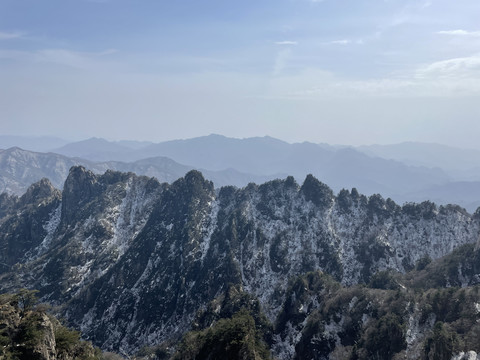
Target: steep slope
(322, 320)
(134, 260)
(412, 316)
(25, 222)
(152, 291)
(85, 233)
(232, 326)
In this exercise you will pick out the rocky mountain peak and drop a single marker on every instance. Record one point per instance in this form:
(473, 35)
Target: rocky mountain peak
(80, 179)
(40, 192)
(134, 260)
(317, 192)
(80, 186)
(194, 183)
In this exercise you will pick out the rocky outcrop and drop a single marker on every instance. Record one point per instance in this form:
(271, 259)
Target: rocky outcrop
(86, 232)
(133, 260)
(28, 333)
(23, 227)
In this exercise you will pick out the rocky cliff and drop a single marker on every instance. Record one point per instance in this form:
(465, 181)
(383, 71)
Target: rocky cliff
(131, 261)
(27, 332)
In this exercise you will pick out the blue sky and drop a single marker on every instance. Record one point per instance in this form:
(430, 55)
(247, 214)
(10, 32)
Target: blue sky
(336, 71)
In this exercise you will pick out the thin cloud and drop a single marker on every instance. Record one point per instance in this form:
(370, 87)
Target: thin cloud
(451, 78)
(411, 13)
(287, 42)
(78, 60)
(73, 59)
(459, 32)
(10, 35)
(344, 42)
(63, 57)
(108, 52)
(464, 67)
(339, 42)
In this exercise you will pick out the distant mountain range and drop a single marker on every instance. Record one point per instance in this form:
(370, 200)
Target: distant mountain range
(97, 149)
(429, 155)
(20, 168)
(42, 144)
(266, 156)
(463, 193)
(405, 172)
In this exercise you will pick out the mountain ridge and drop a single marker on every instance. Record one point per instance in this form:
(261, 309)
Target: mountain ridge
(20, 168)
(268, 158)
(132, 260)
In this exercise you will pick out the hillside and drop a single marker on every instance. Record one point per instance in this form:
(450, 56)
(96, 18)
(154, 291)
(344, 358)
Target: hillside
(28, 332)
(131, 261)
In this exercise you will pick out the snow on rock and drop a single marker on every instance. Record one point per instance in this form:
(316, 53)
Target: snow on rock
(469, 355)
(289, 236)
(209, 227)
(50, 227)
(167, 246)
(416, 332)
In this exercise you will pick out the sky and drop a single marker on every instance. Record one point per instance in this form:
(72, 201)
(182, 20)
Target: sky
(332, 71)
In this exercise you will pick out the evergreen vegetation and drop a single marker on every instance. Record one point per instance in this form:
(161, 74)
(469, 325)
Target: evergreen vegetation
(272, 239)
(233, 338)
(27, 332)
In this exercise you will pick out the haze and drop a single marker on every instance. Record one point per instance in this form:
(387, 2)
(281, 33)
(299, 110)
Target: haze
(346, 72)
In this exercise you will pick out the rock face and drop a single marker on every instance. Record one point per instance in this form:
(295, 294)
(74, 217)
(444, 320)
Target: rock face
(32, 334)
(28, 333)
(133, 260)
(25, 221)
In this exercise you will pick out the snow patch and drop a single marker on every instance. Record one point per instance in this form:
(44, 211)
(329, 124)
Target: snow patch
(209, 227)
(477, 307)
(469, 355)
(50, 226)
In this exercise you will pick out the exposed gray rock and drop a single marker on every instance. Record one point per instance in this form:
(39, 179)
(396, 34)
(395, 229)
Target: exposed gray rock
(133, 259)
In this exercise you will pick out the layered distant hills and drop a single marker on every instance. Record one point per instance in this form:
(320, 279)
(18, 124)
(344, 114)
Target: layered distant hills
(170, 265)
(20, 168)
(405, 172)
